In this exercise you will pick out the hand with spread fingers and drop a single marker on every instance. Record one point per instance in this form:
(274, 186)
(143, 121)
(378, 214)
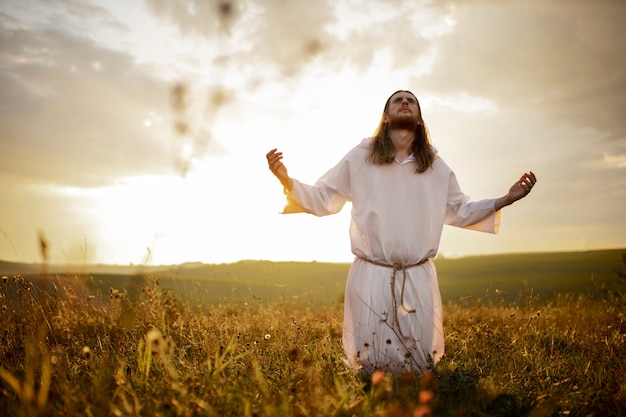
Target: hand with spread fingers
(274, 161)
(518, 190)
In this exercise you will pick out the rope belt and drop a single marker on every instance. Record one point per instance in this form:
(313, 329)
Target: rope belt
(397, 267)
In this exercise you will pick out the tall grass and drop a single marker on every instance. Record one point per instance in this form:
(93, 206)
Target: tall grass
(70, 352)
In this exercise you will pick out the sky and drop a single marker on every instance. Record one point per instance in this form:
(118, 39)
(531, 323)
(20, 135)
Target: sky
(135, 132)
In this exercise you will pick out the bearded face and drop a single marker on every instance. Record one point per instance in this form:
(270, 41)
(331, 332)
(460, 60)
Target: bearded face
(404, 121)
(403, 111)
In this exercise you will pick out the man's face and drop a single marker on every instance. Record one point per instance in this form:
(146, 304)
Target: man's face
(403, 111)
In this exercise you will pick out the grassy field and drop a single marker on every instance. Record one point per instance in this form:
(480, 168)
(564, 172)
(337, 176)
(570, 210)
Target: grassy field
(507, 278)
(526, 335)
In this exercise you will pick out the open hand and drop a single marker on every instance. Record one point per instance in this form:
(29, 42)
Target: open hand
(274, 161)
(522, 187)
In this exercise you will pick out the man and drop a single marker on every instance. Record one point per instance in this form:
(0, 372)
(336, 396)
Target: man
(402, 194)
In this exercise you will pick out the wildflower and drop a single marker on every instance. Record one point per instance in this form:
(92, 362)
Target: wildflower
(153, 335)
(377, 377)
(426, 397)
(160, 344)
(428, 379)
(86, 352)
(422, 411)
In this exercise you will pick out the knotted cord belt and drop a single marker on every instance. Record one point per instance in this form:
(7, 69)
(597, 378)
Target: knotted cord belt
(397, 267)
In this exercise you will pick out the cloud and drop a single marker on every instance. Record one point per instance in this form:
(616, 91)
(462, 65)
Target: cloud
(283, 38)
(260, 38)
(565, 62)
(72, 111)
(206, 18)
(73, 94)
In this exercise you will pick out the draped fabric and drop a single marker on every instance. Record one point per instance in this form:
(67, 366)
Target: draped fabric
(397, 219)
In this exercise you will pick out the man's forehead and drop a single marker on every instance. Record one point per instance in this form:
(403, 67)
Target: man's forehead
(403, 94)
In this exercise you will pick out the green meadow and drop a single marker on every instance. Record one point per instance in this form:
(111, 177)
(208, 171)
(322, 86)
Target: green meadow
(526, 335)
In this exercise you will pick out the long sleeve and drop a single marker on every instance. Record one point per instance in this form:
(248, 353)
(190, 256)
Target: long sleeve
(474, 215)
(327, 196)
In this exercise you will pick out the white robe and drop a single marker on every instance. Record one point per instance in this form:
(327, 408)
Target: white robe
(397, 218)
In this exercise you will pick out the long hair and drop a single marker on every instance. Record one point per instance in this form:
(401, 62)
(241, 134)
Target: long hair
(382, 149)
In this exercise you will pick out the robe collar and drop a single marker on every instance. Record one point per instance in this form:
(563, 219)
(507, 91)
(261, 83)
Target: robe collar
(409, 159)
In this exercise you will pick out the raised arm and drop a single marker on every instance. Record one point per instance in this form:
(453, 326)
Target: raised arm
(518, 190)
(274, 160)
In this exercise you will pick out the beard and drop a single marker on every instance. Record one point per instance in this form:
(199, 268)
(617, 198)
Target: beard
(404, 121)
